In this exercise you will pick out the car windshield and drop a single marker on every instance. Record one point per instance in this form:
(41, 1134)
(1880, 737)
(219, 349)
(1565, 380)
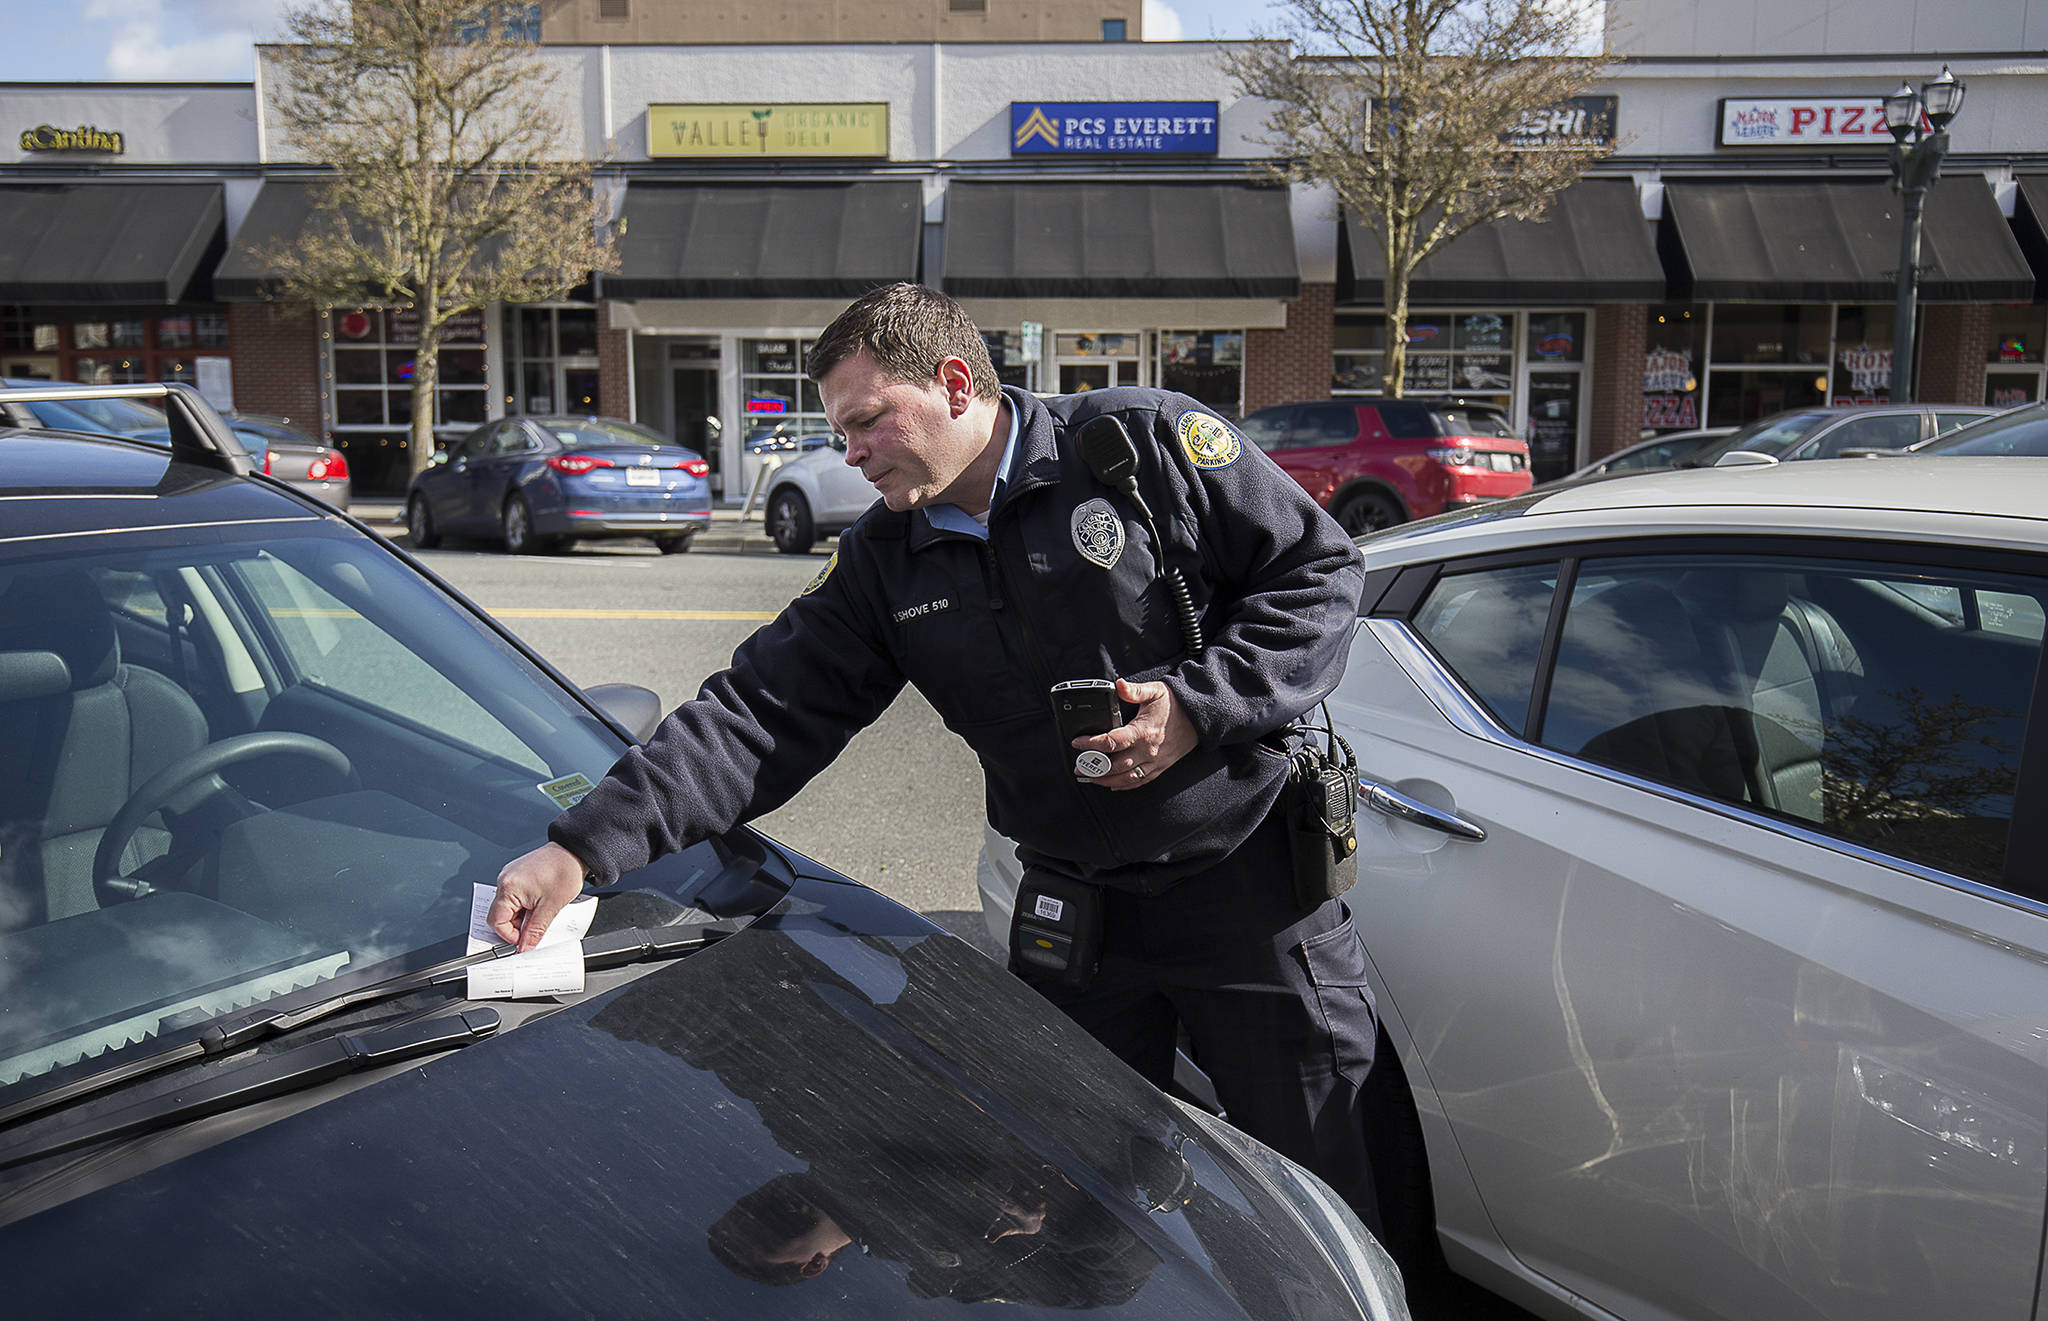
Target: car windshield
(234, 768)
(602, 431)
(1769, 435)
(120, 417)
(2021, 432)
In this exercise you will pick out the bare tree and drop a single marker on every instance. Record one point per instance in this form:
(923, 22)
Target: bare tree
(451, 182)
(1414, 113)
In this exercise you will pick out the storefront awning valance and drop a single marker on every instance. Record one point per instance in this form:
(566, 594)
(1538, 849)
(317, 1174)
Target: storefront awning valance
(1591, 246)
(107, 243)
(1804, 240)
(280, 211)
(785, 240)
(2030, 227)
(1119, 240)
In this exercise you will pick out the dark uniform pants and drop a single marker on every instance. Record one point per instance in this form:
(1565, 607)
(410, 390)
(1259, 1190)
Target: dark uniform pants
(1275, 1001)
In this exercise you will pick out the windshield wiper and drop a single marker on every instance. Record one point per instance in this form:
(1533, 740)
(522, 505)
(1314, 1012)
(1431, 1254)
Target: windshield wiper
(234, 1031)
(297, 1068)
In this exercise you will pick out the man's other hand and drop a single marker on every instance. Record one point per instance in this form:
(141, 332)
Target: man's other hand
(532, 888)
(1159, 735)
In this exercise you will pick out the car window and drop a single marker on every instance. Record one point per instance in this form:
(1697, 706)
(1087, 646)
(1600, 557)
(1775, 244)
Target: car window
(2024, 431)
(1324, 424)
(398, 788)
(1487, 626)
(1879, 431)
(1769, 435)
(121, 417)
(473, 445)
(511, 438)
(1947, 422)
(1649, 456)
(1881, 704)
(603, 431)
(1407, 421)
(1267, 428)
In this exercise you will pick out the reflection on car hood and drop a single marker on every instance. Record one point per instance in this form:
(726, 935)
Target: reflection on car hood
(649, 1150)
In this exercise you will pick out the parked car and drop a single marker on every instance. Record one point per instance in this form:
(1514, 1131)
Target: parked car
(1826, 433)
(292, 457)
(2017, 432)
(541, 482)
(815, 496)
(1705, 881)
(1376, 462)
(259, 767)
(1652, 455)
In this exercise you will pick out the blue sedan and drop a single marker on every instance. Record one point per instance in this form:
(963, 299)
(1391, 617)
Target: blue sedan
(540, 482)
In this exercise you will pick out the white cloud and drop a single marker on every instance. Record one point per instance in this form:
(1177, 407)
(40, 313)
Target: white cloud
(186, 40)
(1161, 22)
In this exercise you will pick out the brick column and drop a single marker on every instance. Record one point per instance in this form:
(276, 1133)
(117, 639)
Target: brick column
(276, 351)
(1614, 394)
(614, 366)
(1284, 365)
(1954, 342)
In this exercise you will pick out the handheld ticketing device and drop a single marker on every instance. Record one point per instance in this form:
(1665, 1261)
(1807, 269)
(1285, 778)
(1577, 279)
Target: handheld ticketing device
(1086, 706)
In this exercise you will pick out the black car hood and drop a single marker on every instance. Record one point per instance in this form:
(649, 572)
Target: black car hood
(799, 1086)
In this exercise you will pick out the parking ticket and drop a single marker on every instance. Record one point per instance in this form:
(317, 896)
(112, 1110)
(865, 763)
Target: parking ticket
(554, 967)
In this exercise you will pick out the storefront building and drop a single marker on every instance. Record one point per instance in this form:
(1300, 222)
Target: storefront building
(1099, 208)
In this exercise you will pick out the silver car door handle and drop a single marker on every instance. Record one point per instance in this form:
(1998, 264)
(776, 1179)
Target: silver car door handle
(1391, 802)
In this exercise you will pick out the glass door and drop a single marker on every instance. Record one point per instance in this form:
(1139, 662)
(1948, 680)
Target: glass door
(1554, 410)
(1099, 359)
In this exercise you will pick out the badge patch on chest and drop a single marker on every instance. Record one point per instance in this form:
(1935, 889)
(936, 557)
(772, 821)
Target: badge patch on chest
(1098, 533)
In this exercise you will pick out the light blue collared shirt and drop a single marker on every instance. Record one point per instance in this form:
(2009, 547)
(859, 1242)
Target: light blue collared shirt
(952, 518)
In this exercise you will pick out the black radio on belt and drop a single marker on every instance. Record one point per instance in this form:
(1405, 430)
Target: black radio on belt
(1321, 801)
(1056, 928)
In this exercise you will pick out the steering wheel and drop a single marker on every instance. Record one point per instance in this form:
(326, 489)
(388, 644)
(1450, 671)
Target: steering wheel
(181, 774)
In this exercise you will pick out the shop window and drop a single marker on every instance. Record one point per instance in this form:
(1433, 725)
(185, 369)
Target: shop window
(372, 359)
(776, 398)
(1673, 360)
(1470, 355)
(1205, 364)
(1007, 352)
(95, 349)
(1736, 396)
(552, 349)
(1785, 334)
(2014, 368)
(1557, 337)
(1863, 354)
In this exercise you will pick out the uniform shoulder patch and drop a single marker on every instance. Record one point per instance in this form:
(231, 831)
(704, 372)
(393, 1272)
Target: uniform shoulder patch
(831, 563)
(1207, 441)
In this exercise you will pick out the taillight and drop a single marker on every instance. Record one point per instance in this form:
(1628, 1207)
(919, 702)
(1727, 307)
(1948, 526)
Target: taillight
(1457, 456)
(695, 467)
(577, 464)
(328, 467)
(266, 463)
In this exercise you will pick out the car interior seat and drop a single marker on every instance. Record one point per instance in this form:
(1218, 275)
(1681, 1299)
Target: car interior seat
(79, 732)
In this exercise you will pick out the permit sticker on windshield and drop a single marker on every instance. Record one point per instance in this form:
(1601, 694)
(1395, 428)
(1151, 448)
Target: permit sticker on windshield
(567, 791)
(554, 967)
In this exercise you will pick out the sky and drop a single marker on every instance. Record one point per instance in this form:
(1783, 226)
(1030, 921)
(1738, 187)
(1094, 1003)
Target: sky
(214, 40)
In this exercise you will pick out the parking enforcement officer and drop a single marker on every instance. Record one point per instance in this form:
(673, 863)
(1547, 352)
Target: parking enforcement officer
(998, 563)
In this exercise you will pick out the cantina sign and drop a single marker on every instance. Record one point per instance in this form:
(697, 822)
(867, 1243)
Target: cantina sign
(86, 137)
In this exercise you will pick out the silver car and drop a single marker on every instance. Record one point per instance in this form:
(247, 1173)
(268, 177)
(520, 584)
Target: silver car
(1704, 832)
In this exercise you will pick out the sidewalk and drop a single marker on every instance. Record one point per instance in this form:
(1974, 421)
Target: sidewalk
(726, 533)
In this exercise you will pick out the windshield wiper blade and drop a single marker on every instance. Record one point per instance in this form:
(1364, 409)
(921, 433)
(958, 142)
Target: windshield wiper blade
(291, 1071)
(234, 1031)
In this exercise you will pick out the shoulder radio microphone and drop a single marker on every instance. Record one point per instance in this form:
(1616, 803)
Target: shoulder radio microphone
(1107, 450)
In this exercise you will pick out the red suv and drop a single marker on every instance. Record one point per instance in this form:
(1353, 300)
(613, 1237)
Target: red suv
(1377, 462)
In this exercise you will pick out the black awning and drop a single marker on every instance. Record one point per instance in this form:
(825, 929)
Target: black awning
(1119, 240)
(1591, 246)
(1805, 240)
(275, 218)
(139, 243)
(2030, 227)
(784, 240)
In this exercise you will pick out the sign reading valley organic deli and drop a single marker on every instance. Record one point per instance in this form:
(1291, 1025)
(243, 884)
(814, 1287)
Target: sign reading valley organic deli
(1856, 121)
(859, 128)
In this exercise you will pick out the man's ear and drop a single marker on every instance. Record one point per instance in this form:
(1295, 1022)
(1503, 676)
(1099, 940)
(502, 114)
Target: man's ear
(816, 1265)
(957, 381)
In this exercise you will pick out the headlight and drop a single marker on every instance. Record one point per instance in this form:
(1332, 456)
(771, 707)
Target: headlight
(1370, 1275)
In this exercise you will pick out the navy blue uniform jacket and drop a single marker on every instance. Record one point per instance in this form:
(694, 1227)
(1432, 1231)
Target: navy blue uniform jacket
(984, 629)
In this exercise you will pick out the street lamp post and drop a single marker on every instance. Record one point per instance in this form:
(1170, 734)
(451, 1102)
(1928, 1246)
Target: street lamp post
(1916, 163)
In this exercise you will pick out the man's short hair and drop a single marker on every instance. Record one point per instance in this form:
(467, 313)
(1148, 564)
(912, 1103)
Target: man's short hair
(908, 329)
(760, 1224)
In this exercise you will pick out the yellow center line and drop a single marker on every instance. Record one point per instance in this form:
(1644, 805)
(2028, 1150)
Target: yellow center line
(538, 612)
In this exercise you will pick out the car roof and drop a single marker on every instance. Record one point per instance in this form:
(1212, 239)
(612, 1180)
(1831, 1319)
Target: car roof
(60, 483)
(1986, 501)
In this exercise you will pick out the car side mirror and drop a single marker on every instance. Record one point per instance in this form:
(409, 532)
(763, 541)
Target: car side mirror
(636, 710)
(1744, 459)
